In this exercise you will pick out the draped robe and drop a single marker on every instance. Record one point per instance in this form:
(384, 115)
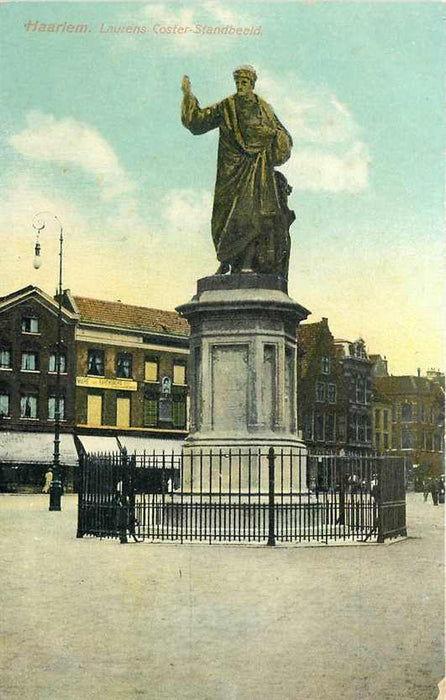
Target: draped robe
(250, 204)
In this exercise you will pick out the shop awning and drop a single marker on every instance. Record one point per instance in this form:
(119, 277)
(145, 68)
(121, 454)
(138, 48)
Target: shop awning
(150, 445)
(96, 444)
(32, 448)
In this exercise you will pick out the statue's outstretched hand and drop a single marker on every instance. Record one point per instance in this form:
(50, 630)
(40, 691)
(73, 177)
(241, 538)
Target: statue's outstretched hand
(185, 85)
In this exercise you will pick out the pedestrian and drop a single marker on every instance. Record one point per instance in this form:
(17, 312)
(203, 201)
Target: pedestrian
(434, 488)
(441, 490)
(426, 489)
(48, 480)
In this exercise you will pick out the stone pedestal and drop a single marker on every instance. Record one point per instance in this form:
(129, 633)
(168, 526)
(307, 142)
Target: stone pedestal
(242, 365)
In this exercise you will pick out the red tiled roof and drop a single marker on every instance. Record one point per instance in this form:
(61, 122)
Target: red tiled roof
(114, 313)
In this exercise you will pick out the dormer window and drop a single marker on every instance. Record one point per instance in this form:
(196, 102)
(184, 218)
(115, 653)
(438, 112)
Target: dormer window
(30, 324)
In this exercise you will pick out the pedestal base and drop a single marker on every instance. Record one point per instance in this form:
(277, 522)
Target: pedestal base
(242, 378)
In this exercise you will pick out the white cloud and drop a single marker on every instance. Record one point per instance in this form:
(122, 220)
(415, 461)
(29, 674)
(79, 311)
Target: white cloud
(69, 141)
(187, 212)
(315, 170)
(121, 256)
(329, 154)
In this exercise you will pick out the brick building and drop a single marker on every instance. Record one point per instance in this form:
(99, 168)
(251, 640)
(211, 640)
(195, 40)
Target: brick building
(131, 375)
(321, 400)
(28, 342)
(417, 406)
(381, 422)
(357, 379)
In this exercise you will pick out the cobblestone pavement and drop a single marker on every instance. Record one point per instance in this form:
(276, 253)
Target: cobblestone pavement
(90, 619)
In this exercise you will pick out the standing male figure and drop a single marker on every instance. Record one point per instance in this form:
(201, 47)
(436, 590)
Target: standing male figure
(250, 217)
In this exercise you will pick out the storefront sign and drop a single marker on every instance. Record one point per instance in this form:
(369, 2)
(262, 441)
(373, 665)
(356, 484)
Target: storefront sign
(102, 383)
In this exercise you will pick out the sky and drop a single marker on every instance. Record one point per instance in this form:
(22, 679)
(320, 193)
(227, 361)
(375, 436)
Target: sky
(90, 132)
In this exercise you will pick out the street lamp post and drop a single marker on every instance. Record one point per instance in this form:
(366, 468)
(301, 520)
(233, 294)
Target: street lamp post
(39, 224)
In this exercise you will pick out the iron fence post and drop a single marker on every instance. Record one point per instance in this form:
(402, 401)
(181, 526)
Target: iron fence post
(80, 497)
(380, 502)
(271, 509)
(123, 515)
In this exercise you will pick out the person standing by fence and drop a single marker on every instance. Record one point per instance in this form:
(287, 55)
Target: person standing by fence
(434, 488)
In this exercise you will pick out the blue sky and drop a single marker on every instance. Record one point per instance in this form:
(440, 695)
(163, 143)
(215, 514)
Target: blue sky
(91, 131)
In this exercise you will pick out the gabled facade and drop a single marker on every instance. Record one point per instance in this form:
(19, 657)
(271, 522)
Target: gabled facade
(28, 370)
(321, 400)
(28, 342)
(356, 371)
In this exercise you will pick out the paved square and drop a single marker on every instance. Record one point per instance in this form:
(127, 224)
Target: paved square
(90, 619)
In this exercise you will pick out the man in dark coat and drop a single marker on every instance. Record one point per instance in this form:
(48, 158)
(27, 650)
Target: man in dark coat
(250, 217)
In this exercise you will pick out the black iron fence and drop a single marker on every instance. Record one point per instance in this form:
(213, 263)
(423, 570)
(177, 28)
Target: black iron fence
(242, 496)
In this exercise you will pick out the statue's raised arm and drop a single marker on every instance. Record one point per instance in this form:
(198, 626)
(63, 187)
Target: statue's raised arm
(250, 218)
(185, 85)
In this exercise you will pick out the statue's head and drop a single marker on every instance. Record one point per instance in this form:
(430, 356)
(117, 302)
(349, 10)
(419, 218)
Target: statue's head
(245, 78)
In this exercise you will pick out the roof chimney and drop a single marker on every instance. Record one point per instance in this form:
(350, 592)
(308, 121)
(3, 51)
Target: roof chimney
(418, 372)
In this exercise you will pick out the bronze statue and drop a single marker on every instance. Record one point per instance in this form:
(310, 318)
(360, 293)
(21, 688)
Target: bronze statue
(250, 217)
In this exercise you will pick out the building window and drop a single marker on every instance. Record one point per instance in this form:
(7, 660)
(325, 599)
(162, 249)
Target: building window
(30, 361)
(378, 441)
(329, 427)
(124, 365)
(5, 358)
(151, 370)
(179, 374)
(360, 391)
(432, 414)
(179, 412)
(320, 391)
(95, 363)
(377, 417)
(319, 426)
(30, 324)
(406, 412)
(385, 419)
(150, 411)
(423, 413)
(407, 440)
(94, 409)
(52, 408)
(308, 426)
(28, 406)
(394, 441)
(325, 365)
(4, 404)
(429, 441)
(361, 428)
(393, 413)
(368, 429)
(341, 428)
(52, 362)
(386, 441)
(331, 393)
(123, 411)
